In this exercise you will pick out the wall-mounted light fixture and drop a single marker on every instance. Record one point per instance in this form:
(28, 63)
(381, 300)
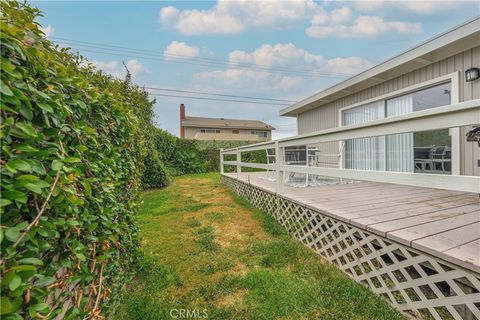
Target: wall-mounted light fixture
(472, 74)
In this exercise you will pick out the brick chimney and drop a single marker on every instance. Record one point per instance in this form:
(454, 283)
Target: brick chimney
(182, 117)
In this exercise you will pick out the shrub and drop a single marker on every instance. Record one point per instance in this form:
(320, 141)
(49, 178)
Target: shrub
(72, 156)
(179, 156)
(184, 156)
(155, 174)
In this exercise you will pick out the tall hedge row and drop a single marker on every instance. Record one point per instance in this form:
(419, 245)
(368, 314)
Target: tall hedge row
(72, 154)
(184, 156)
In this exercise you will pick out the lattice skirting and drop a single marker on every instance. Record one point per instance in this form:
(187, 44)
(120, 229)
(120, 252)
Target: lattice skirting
(412, 281)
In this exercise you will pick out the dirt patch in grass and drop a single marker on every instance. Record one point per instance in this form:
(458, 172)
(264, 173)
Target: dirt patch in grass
(235, 299)
(209, 249)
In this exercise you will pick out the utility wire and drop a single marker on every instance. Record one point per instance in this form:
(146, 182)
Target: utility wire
(205, 62)
(215, 99)
(193, 63)
(218, 94)
(156, 53)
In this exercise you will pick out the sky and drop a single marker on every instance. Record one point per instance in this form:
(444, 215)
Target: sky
(284, 50)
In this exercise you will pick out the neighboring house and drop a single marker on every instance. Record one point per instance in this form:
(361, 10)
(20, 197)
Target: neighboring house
(429, 75)
(199, 128)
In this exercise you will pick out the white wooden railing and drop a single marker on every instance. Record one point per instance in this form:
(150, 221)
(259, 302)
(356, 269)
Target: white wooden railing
(452, 116)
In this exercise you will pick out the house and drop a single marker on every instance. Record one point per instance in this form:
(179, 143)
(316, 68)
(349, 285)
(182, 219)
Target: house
(429, 75)
(390, 163)
(200, 128)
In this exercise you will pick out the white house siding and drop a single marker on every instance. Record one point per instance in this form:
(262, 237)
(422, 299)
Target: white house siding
(327, 116)
(190, 132)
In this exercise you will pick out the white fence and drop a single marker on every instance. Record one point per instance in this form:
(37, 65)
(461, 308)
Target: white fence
(452, 116)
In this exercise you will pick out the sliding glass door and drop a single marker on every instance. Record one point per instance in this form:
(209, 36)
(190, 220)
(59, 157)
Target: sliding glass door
(428, 151)
(399, 147)
(364, 153)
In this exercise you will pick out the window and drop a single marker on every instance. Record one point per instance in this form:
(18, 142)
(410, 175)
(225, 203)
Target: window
(210, 131)
(428, 151)
(235, 131)
(261, 134)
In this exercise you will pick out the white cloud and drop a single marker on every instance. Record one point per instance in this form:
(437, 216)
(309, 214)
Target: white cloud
(136, 67)
(116, 68)
(280, 54)
(195, 22)
(418, 7)
(230, 17)
(178, 50)
(362, 26)
(350, 65)
(274, 58)
(168, 15)
(241, 79)
(48, 30)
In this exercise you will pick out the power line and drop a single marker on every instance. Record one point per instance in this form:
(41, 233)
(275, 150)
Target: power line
(204, 62)
(193, 63)
(216, 99)
(223, 61)
(218, 94)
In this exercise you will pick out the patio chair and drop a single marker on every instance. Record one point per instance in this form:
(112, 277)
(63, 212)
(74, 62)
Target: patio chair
(271, 159)
(422, 157)
(440, 157)
(300, 156)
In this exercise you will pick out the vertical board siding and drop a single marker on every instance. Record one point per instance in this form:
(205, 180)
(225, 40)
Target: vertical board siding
(327, 116)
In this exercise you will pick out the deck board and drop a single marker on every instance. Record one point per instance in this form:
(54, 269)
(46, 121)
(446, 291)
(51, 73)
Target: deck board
(440, 244)
(443, 223)
(413, 228)
(469, 253)
(389, 213)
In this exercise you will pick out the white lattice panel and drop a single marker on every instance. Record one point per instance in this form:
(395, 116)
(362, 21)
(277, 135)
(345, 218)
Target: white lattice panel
(412, 281)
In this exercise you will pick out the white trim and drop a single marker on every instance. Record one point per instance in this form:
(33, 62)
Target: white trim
(455, 132)
(250, 165)
(221, 161)
(440, 181)
(466, 111)
(454, 80)
(452, 77)
(462, 114)
(279, 177)
(446, 39)
(256, 146)
(456, 115)
(239, 160)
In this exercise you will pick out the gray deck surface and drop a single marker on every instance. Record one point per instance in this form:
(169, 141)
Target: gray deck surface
(445, 224)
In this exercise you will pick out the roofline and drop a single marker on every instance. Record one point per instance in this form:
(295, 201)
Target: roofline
(265, 127)
(458, 32)
(269, 128)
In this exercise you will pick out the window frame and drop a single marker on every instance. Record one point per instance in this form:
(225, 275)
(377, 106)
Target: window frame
(454, 80)
(257, 132)
(204, 130)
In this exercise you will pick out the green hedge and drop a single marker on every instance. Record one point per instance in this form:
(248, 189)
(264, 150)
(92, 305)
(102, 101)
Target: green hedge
(73, 148)
(184, 156)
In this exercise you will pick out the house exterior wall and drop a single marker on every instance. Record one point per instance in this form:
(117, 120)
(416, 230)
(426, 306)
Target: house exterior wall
(227, 134)
(327, 116)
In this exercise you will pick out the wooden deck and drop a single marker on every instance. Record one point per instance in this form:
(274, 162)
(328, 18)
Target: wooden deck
(445, 224)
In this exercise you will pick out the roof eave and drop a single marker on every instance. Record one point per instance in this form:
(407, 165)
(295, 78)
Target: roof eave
(228, 127)
(410, 59)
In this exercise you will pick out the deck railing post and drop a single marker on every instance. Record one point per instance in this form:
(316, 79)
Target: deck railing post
(278, 173)
(239, 160)
(222, 170)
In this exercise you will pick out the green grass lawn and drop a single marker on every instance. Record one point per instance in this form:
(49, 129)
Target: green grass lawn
(211, 253)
